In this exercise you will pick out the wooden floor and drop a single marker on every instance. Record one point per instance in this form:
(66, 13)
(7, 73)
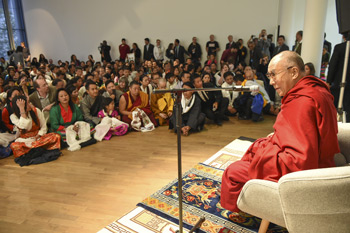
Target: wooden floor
(84, 191)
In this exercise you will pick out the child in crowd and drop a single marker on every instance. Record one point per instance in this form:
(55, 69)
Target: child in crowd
(110, 123)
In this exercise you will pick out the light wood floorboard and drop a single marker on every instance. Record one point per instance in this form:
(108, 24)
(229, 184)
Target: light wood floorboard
(84, 191)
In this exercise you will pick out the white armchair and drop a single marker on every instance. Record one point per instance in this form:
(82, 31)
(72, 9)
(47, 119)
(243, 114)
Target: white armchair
(309, 201)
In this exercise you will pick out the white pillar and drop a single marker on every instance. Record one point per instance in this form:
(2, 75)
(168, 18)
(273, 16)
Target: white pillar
(313, 33)
(291, 19)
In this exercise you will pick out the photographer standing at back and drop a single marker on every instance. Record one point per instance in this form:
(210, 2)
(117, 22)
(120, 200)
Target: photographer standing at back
(105, 51)
(264, 43)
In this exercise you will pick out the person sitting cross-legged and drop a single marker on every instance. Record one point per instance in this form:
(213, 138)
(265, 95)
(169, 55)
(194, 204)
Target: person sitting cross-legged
(192, 117)
(213, 105)
(162, 104)
(135, 109)
(67, 120)
(31, 124)
(91, 103)
(230, 95)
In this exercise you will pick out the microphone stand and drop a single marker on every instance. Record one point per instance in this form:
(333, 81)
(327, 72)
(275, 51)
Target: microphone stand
(341, 112)
(178, 116)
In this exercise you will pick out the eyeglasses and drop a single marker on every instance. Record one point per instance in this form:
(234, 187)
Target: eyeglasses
(272, 75)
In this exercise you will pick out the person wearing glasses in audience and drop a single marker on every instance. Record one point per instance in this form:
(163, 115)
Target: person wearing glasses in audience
(305, 131)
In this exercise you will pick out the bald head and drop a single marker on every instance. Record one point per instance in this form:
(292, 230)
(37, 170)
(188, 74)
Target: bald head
(285, 70)
(162, 83)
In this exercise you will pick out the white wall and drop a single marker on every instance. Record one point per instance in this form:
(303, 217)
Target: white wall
(291, 20)
(61, 28)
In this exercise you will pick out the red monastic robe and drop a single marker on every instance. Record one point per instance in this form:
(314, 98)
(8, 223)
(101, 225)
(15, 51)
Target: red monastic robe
(305, 137)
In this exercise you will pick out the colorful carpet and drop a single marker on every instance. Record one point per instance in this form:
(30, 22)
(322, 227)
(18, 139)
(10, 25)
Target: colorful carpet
(200, 199)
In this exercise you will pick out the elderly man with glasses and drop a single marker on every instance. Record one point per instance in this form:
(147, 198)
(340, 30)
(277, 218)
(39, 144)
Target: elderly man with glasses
(305, 131)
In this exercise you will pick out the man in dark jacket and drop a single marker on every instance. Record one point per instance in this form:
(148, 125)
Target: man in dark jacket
(179, 51)
(213, 105)
(335, 72)
(148, 50)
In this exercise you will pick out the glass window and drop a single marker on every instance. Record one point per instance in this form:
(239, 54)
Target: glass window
(17, 22)
(4, 39)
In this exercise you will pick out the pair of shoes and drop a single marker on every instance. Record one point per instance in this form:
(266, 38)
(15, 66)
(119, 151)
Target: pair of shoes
(225, 118)
(218, 122)
(243, 117)
(260, 118)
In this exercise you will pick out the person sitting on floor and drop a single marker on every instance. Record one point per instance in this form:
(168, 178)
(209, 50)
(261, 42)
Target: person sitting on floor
(8, 110)
(110, 123)
(67, 120)
(230, 95)
(112, 92)
(91, 104)
(162, 104)
(145, 86)
(171, 81)
(123, 85)
(192, 117)
(135, 109)
(213, 105)
(246, 108)
(73, 94)
(305, 131)
(32, 127)
(44, 96)
(185, 77)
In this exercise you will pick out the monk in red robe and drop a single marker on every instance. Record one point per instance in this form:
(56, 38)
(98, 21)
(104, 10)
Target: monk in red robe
(305, 131)
(132, 100)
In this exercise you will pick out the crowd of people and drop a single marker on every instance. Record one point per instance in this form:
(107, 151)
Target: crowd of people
(76, 103)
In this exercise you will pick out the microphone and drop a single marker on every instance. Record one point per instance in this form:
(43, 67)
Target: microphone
(253, 88)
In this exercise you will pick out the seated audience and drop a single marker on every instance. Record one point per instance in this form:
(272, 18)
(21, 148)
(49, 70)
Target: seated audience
(230, 95)
(162, 104)
(31, 124)
(44, 96)
(91, 103)
(110, 122)
(192, 117)
(135, 109)
(67, 120)
(73, 94)
(213, 105)
(112, 93)
(26, 84)
(185, 77)
(123, 85)
(171, 81)
(145, 86)
(251, 105)
(8, 109)
(219, 76)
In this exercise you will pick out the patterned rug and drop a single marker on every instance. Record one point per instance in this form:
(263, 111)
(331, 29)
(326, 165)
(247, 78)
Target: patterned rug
(200, 199)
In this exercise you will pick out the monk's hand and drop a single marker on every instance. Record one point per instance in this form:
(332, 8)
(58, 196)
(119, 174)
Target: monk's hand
(170, 114)
(215, 105)
(163, 115)
(112, 96)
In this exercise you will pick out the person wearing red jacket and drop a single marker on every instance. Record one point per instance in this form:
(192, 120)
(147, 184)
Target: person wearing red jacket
(124, 49)
(305, 131)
